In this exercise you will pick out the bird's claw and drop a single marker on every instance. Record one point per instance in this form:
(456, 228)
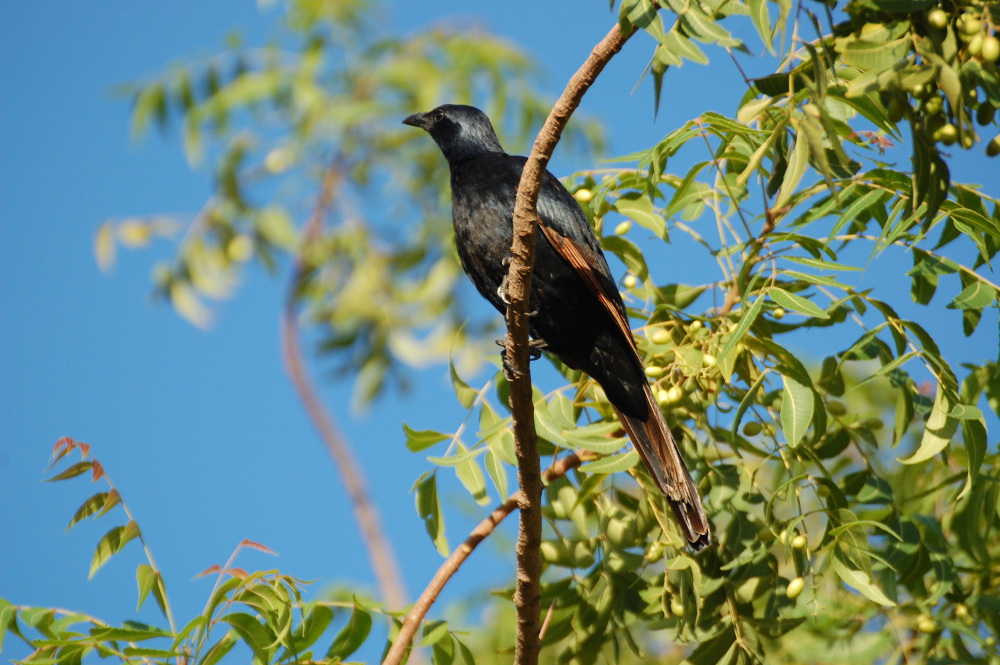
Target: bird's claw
(502, 289)
(535, 347)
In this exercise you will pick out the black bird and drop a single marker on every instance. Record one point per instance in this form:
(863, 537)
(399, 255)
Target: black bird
(579, 314)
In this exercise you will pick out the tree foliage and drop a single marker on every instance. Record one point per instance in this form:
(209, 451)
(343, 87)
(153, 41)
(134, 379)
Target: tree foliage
(851, 486)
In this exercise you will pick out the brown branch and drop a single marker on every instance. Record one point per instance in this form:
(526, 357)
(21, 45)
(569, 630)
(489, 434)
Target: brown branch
(451, 565)
(383, 561)
(529, 563)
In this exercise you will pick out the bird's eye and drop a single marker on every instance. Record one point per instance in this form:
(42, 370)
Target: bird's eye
(438, 115)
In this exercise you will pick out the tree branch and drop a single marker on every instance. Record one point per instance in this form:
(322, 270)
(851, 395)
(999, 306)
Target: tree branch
(383, 561)
(529, 563)
(458, 557)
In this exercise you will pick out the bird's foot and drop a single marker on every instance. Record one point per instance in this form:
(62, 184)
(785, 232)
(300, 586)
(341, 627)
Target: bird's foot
(502, 289)
(535, 347)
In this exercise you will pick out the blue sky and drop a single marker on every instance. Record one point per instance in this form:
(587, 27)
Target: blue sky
(200, 430)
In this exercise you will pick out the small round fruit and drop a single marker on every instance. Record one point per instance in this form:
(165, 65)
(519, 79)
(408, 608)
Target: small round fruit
(961, 611)
(798, 542)
(925, 624)
(969, 25)
(670, 396)
(752, 428)
(874, 423)
(985, 113)
(947, 134)
(676, 606)
(630, 281)
(993, 147)
(694, 326)
(795, 587)
(583, 195)
(708, 360)
(990, 50)
(654, 372)
(932, 105)
(778, 313)
(660, 336)
(836, 408)
(623, 227)
(976, 44)
(937, 18)
(896, 109)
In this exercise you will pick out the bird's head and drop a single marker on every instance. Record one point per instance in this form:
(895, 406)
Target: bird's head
(460, 131)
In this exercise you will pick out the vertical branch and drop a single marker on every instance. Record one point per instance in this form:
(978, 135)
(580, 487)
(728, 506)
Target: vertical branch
(380, 554)
(529, 564)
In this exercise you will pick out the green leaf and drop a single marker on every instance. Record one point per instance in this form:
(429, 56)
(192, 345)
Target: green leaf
(219, 649)
(254, 634)
(762, 22)
(797, 407)
(678, 296)
(313, 626)
(612, 463)
(974, 438)
(630, 255)
(704, 29)
(94, 504)
(433, 632)
(820, 264)
(73, 471)
(938, 431)
(110, 544)
(471, 477)
(638, 207)
(497, 473)
(796, 303)
(131, 632)
(859, 580)
(678, 45)
(351, 636)
(595, 437)
(975, 296)
(429, 509)
(145, 578)
(466, 395)
(417, 440)
(872, 55)
(746, 320)
(798, 160)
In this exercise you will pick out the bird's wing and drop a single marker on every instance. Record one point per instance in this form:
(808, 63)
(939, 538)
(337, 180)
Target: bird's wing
(583, 264)
(564, 225)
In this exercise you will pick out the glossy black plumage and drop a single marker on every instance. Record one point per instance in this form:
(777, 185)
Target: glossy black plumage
(579, 312)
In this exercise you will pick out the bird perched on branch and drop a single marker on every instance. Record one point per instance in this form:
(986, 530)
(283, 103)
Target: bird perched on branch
(578, 314)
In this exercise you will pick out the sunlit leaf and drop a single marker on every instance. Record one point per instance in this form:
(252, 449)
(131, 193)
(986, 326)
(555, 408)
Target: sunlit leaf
(353, 635)
(796, 410)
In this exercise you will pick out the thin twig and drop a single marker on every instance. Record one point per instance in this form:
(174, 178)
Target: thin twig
(458, 557)
(529, 564)
(383, 561)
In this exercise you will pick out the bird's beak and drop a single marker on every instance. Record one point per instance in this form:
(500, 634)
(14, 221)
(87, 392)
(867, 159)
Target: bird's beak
(417, 120)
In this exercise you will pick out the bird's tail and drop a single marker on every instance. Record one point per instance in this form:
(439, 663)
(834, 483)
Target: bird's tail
(655, 444)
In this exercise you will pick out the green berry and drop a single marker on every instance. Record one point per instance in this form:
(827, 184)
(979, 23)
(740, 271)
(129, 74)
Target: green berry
(937, 18)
